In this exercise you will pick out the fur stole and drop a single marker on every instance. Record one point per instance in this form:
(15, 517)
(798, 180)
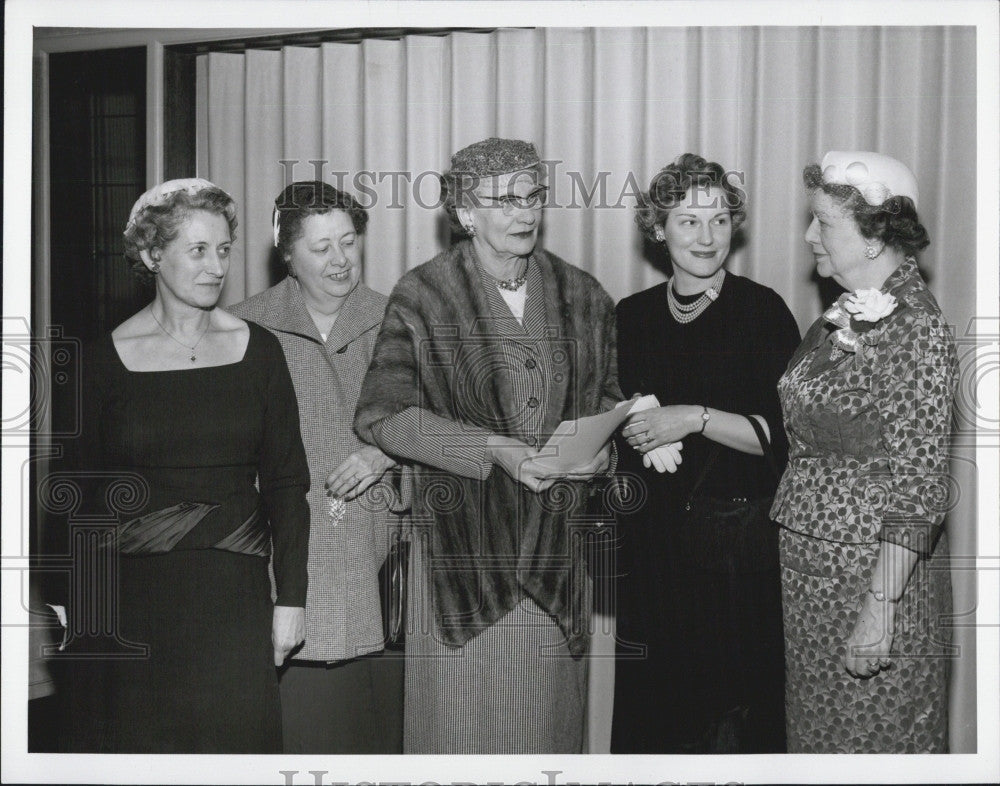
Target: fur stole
(493, 541)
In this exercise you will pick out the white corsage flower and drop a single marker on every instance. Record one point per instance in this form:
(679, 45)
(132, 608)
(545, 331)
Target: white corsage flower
(856, 313)
(869, 305)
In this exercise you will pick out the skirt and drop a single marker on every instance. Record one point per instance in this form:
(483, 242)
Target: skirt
(207, 683)
(514, 688)
(903, 709)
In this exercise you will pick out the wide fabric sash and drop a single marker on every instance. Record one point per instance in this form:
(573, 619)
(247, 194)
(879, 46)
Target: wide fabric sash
(160, 531)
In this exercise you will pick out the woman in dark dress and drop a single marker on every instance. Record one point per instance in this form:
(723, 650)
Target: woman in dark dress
(699, 666)
(189, 407)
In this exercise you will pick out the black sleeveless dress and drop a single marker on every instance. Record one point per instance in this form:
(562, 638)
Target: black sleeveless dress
(174, 460)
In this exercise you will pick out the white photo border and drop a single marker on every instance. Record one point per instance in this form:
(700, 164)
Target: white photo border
(223, 16)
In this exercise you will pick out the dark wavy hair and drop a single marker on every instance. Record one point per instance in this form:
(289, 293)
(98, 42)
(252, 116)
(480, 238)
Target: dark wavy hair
(894, 223)
(156, 226)
(312, 198)
(671, 184)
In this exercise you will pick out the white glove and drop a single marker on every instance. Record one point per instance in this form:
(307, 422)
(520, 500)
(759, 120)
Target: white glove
(665, 458)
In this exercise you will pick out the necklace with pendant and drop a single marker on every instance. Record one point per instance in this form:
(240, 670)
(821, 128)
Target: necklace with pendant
(688, 312)
(169, 335)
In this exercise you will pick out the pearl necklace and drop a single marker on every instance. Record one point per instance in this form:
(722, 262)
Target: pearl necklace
(688, 312)
(512, 284)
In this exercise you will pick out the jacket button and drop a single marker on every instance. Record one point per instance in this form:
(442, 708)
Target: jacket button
(530, 363)
(533, 442)
(532, 402)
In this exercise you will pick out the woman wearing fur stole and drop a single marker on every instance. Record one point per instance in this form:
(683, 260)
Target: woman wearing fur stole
(483, 351)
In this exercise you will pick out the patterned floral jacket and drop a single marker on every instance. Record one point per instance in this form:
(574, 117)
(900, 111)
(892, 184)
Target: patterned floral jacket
(868, 430)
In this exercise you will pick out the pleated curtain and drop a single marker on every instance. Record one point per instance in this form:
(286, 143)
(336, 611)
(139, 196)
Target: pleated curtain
(611, 106)
(763, 102)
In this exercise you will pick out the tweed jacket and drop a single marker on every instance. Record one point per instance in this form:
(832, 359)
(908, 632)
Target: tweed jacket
(343, 613)
(442, 349)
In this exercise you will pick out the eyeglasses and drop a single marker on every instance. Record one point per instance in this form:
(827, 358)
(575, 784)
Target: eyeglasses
(511, 202)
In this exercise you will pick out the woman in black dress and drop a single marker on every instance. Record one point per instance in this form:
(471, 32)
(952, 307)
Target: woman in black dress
(700, 665)
(192, 408)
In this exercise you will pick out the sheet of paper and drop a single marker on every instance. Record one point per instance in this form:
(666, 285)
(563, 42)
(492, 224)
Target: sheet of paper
(575, 443)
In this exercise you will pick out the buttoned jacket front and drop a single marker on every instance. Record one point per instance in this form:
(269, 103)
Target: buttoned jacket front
(343, 615)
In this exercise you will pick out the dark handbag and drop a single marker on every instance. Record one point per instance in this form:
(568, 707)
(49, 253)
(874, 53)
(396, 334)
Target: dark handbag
(729, 535)
(394, 573)
(392, 579)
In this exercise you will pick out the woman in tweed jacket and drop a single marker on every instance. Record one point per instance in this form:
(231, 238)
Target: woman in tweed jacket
(483, 351)
(338, 694)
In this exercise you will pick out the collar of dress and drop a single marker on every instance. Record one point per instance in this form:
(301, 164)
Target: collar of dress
(284, 310)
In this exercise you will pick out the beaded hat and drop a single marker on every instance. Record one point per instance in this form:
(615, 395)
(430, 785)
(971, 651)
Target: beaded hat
(876, 176)
(494, 156)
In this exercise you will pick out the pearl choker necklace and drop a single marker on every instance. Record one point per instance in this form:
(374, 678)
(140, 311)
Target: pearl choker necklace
(512, 284)
(688, 312)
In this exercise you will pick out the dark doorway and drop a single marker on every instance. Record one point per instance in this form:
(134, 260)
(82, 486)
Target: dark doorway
(98, 165)
(97, 132)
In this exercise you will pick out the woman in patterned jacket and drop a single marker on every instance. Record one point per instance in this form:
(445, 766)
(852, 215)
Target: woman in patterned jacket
(338, 694)
(867, 401)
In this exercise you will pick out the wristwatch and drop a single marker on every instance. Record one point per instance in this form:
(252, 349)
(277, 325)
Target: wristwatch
(705, 417)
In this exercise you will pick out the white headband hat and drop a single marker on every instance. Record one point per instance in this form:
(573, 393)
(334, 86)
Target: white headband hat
(876, 176)
(159, 193)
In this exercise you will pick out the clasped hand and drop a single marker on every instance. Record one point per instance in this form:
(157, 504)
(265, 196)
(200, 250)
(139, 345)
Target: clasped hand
(651, 428)
(870, 641)
(524, 463)
(663, 428)
(288, 631)
(358, 472)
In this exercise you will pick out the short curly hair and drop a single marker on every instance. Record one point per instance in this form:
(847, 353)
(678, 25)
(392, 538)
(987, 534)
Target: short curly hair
(671, 184)
(895, 222)
(306, 198)
(157, 225)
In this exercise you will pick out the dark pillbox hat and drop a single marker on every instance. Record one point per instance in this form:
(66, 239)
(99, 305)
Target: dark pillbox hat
(494, 156)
